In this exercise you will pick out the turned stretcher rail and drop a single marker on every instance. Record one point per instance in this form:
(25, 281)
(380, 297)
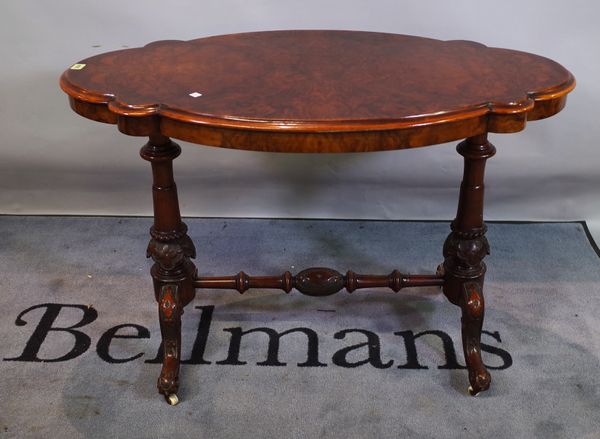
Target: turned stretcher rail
(318, 281)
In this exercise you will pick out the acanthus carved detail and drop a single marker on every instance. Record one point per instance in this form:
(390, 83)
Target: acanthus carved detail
(171, 254)
(464, 256)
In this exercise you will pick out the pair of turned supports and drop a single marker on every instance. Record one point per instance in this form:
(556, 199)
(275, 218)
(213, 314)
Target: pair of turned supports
(175, 279)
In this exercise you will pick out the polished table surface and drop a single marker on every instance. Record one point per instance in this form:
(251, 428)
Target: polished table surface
(317, 91)
(312, 91)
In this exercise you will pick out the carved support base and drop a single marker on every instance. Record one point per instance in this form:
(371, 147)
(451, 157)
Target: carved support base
(473, 309)
(170, 311)
(466, 246)
(175, 278)
(170, 247)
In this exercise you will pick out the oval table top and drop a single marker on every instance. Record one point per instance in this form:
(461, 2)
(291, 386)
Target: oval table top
(317, 90)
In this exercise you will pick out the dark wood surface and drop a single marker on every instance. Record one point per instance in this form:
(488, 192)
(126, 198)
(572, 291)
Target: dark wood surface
(464, 250)
(171, 248)
(317, 91)
(318, 281)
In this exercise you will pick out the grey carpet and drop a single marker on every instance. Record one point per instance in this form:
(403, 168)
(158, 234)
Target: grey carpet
(542, 322)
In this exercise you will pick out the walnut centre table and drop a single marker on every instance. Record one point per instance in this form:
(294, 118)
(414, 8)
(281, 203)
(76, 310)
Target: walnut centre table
(317, 91)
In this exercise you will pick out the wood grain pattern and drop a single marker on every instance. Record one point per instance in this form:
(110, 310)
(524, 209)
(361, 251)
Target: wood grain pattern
(317, 91)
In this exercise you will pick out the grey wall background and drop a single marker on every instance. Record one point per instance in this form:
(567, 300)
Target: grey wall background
(53, 161)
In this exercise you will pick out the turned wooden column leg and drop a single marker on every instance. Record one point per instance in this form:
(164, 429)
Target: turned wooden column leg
(171, 249)
(464, 250)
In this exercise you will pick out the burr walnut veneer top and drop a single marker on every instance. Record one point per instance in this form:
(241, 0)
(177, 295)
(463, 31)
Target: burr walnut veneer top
(317, 91)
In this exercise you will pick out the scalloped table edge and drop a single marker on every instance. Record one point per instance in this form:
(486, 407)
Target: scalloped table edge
(318, 136)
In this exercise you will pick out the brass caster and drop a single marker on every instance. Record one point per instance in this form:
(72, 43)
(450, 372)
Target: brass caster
(472, 392)
(172, 399)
